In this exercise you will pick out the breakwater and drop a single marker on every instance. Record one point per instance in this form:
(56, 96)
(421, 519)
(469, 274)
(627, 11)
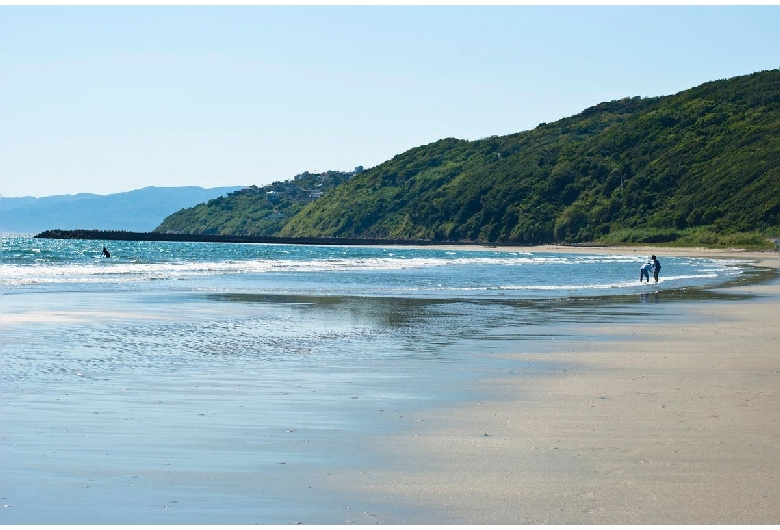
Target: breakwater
(121, 235)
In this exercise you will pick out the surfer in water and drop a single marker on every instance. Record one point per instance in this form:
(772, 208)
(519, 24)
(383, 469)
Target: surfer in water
(107, 254)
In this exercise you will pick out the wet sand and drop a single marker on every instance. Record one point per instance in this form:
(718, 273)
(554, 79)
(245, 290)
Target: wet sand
(673, 422)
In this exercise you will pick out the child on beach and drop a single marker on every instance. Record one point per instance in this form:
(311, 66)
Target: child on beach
(644, 272)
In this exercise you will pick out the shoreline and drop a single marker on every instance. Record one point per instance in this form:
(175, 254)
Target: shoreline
(673, 422)
(119, 235)
(765, 258)
(668, 422)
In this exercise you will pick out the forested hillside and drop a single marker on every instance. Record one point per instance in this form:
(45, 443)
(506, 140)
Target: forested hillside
(254, 211)
(705, 160)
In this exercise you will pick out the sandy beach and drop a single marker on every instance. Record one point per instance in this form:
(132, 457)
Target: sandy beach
(134, 406)
(675, 422)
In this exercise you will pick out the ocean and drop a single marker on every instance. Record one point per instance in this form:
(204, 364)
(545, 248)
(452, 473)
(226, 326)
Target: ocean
(192, 383)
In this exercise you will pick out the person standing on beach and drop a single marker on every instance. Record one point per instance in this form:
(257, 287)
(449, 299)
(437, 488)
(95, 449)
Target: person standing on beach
(644, 272)
(656, 268)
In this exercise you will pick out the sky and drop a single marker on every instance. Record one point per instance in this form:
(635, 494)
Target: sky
(105, 99)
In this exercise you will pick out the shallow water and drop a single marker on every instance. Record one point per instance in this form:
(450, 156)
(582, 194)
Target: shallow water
(45, 265)
(207, 383)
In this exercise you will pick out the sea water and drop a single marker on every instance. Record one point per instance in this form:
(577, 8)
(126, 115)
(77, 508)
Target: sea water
(230, 383)
(35, 265)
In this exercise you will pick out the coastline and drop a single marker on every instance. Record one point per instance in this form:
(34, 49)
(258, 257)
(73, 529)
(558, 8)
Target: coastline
(766, 258)
(572, 423)
(116, 235)
(763, 258)
(673, 422)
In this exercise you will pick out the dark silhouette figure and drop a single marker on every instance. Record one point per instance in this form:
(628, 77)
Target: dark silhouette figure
(106, 253)
(656, 268)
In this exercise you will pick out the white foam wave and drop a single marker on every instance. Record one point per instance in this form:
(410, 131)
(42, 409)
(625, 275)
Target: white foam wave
(133, 271)
(118, 272)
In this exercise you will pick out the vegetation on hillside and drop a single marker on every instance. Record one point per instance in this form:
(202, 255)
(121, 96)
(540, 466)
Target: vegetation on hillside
(254, 211)
(703, 163)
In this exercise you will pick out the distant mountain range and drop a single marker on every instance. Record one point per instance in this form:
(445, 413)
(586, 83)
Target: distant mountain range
(137, 211)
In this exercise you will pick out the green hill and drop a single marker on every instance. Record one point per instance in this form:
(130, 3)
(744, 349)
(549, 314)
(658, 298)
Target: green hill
(254, 211)
(699, 164)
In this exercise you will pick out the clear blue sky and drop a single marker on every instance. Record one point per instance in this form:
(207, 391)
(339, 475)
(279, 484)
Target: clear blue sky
(108, 99)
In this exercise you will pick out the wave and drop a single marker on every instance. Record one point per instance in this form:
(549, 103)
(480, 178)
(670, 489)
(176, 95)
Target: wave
(397, 270)
(104, 270)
